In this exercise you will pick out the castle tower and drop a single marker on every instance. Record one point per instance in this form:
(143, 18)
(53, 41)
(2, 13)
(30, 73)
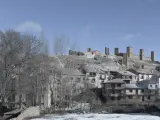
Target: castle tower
(89, 50)
(116, 51)
(129, 51)
(152, 56)
(125, 59)
(70, 52)
(141, 55)
(106, 51)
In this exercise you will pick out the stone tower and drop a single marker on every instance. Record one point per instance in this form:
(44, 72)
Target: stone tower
(125, 59)
(70, 52)
(116, 51)
(89, 50)
(106, 51)
(141, 55)
(152, 56)
(129, 51)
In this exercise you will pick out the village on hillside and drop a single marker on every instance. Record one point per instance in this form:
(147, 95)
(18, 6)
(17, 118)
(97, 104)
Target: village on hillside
(89, 81)
(101, 78)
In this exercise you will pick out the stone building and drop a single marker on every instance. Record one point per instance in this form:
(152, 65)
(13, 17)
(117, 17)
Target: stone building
(94, 76)
(64, 84)
(117, 91)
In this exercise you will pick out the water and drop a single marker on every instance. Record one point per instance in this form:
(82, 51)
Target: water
(99, 117)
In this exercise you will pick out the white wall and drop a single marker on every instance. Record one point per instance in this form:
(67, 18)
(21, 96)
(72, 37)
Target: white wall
(134, 79)
(152, 86)
(131, 93)
(98, 81)
(145, 77)
(89, 55)
(140, 92)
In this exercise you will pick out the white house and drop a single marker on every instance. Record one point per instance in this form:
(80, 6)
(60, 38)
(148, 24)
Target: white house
(144, 74)
(94, 76)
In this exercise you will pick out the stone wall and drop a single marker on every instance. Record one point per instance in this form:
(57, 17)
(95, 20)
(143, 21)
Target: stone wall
(29, 112)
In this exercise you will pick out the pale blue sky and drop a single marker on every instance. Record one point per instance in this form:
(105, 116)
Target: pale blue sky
(91, 23)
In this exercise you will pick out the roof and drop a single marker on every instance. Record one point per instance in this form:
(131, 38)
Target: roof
(127, 73)
(152, 80)
(71, 71)
(115, 81)
(144, 71)
(89, 68)
(136, 86)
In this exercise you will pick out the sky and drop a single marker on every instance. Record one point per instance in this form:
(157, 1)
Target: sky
(88, 23)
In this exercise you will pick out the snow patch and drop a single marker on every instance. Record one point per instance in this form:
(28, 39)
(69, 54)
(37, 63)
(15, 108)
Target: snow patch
(98, 117)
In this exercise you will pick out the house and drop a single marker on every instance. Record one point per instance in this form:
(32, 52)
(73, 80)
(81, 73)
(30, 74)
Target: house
(113, 91)
(143, 92)
(126, 75)
(64, 83)
(88, 96)
(118, 91)
(94, 76)
(144, 74)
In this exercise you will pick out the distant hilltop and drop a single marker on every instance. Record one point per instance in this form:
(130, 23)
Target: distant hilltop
(129, 53)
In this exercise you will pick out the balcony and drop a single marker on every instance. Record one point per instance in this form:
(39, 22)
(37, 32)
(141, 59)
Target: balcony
(116, 94)
(117, 87)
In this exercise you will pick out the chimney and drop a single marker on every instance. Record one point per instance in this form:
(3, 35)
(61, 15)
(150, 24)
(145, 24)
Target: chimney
(125, 59)
(89, 50)
(152, 56)
(129, 51)
(141, 56)
(106, 51)
(70, 52)
(116, 51)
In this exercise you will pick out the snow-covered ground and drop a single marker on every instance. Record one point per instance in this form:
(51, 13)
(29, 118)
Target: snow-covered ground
(99, 117)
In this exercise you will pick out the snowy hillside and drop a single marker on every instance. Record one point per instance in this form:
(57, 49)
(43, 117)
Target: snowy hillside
(99, 117)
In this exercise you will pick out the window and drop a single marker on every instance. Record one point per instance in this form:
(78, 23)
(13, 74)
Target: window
(142, 91)
(127, 81)
(142, 77)
(119, 85)
(92, 74)
(102, 77)
(66, 97)
(149, 97)
(112, 98)
(130, 90)
(93, 80)
(130, 97)
(130, 77)
(78, 79)
(113, 92)
(119, 98)
(112, 85)
(156, 86)
(150, 85)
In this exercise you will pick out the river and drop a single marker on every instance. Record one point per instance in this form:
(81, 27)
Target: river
(99, 117)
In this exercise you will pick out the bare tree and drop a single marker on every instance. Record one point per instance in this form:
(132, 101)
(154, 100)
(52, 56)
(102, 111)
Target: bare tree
(17, 52)
(61, 45)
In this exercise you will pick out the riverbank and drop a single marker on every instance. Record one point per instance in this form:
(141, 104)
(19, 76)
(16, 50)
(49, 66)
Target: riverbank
(96, 116)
